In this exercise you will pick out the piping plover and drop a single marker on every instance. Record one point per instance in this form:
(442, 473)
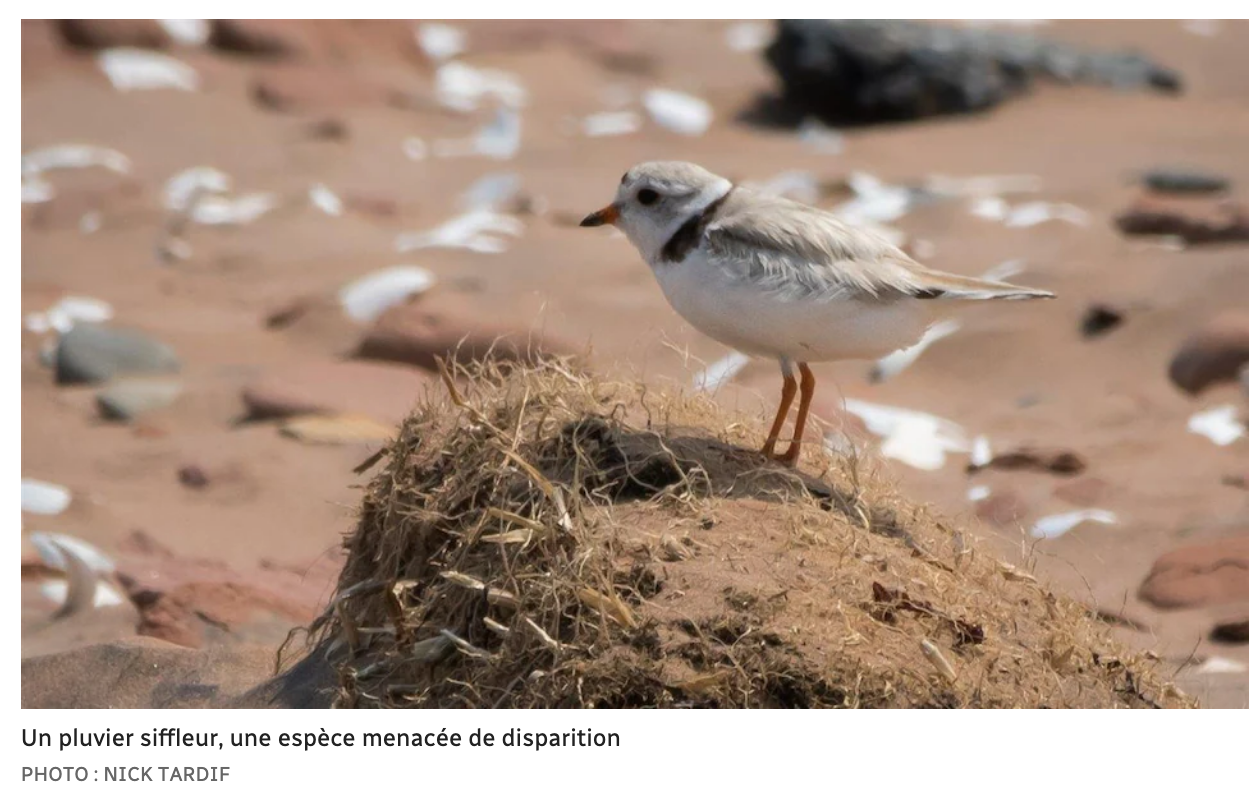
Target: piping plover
(774, 278)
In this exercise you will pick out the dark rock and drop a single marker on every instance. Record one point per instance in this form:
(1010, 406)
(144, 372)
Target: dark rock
(886, 70)
(1195, 225)
(1035, 459)
(1184, 182)
(193, 476)
(1202, 575)
(1213, 354)
(1099, 319)
(1231, 632)
(260, 38)
(91, 353)
(100, 34)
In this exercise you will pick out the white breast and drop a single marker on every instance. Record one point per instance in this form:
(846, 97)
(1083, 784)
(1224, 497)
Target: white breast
(751, 319)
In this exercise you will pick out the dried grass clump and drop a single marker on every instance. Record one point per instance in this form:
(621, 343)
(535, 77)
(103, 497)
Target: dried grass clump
(541, 539)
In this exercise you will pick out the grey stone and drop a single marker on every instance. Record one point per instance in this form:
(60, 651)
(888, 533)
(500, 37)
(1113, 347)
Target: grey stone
(128, 399)
(94, 354)
(1184, 182)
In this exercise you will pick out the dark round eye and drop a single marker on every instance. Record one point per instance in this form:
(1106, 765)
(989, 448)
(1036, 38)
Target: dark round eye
(647, 196)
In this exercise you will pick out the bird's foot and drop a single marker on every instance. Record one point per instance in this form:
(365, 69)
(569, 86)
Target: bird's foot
(789, 458)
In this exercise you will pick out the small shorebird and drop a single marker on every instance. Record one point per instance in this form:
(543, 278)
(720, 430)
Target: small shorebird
(774, 278)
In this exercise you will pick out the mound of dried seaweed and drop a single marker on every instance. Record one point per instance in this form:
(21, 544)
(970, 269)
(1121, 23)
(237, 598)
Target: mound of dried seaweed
(542, 539)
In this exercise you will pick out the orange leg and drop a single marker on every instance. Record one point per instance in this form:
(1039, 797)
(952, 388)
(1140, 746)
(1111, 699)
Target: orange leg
(801, 417)
(788, 395)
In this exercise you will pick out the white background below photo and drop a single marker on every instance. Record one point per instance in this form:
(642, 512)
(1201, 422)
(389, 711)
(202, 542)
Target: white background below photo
(729, 754)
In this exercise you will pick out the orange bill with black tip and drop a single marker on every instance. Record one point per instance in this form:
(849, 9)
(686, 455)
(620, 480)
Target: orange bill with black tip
(605, 216)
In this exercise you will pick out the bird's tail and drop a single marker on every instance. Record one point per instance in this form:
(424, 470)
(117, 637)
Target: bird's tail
(945, 285)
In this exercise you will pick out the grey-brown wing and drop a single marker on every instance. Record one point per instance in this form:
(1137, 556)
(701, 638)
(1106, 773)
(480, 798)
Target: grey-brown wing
(796, 251)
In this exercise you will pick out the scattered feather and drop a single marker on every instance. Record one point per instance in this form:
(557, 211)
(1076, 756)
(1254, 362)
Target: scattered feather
(44, 498)
(37, 322)
(462, 87)
(1220, 424)
(132, 69)
(981, 455)
(71, 309)
(440, 42)
(470, 231)
(188, 32)
(894, 363)
(36, 190)
(715, 376)
(367, 298)
(875, 202)
(989, 208)
(213, 210)
(183, 188)
(1054, 526)
(978, 493)
(611, 123)
(982, 186)
(1215, 664)
(498, 139)
(1034, 213)
(677, 111)
(73, 156)
(915, 438)
(56, 591)
(1037, 212)
(80, 563)
(326, 200)
(52, 548)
